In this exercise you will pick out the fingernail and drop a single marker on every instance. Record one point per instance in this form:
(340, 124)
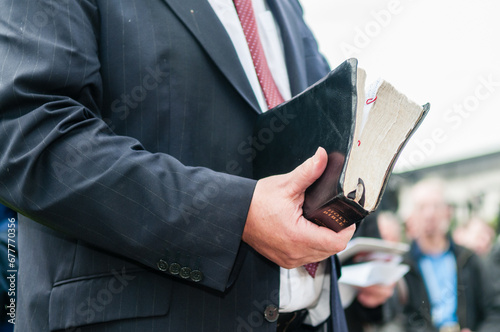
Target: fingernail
(316, 157)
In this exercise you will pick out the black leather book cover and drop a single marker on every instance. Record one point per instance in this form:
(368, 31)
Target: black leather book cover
(323, 115)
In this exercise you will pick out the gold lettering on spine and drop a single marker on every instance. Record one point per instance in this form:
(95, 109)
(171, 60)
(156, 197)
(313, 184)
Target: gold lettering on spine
(319, 222)
(335, 216)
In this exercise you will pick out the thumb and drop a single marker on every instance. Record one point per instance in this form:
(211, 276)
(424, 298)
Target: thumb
(309, 171)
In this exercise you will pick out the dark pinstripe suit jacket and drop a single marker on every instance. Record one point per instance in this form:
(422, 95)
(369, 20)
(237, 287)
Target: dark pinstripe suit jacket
(125, 139)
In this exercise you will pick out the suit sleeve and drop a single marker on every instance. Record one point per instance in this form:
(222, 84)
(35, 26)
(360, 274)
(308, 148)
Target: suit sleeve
(63, 167)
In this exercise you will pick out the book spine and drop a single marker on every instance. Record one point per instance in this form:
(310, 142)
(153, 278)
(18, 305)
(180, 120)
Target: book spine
(338, 214)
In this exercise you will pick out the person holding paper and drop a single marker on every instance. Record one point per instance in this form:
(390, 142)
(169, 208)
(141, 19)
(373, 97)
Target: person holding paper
(372, 307)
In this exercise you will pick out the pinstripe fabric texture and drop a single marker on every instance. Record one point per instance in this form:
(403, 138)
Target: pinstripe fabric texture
(124, 133)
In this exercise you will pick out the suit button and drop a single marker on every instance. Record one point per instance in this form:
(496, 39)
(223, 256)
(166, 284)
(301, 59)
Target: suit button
(174, 268)
(196, 275)
(185, 272)
(162, 265)
(271, 313)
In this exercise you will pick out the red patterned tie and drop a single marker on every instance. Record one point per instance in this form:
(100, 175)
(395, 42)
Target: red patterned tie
(271, 93)
(311, 268)
(247, 18)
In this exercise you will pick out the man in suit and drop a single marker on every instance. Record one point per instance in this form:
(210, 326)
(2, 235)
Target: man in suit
(127, 150)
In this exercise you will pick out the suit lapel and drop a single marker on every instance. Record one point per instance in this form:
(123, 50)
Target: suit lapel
(201, 20)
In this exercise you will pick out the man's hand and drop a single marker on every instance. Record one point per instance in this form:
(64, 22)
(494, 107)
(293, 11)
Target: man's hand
(373, 296)
(275, 226)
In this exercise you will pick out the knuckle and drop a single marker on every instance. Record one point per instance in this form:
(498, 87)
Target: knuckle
(294, 257)
(288, 266)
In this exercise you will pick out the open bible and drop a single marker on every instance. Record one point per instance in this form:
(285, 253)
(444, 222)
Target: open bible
(362, 131)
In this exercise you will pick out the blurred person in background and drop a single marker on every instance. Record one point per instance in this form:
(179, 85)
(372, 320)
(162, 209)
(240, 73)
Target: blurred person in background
(493, 264)
(493, 269)
(448, 288)
(389, 226)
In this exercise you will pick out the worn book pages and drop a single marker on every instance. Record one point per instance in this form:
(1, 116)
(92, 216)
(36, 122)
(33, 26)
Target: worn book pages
(384, 121)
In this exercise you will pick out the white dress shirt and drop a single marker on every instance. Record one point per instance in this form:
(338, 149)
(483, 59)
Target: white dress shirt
(298, 290)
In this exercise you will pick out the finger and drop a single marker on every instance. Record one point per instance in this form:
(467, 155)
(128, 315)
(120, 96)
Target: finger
(330, 240)
(308, 172)
(325, 241)
(374, 295)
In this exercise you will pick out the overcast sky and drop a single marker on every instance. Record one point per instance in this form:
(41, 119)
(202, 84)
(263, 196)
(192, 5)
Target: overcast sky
(443, 52)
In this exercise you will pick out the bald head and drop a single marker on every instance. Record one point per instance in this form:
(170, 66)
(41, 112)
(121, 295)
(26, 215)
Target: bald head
(430, 214)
